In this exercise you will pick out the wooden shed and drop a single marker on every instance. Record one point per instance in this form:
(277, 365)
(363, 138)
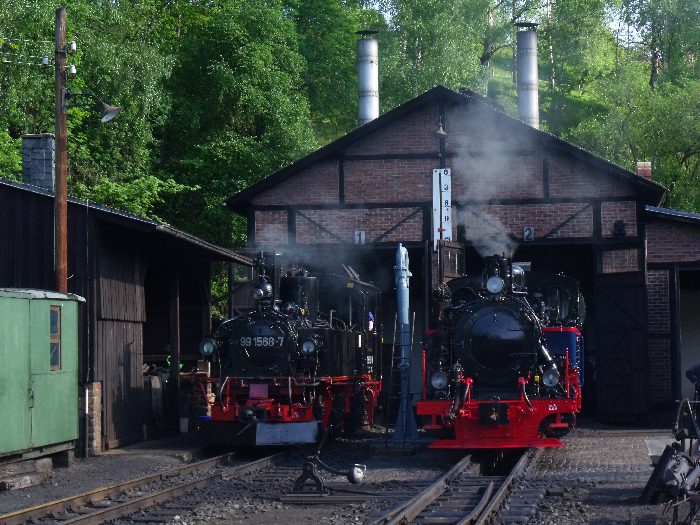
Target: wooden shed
(512, 189)
(147, 291)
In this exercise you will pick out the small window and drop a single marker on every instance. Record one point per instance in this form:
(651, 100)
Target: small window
(242, 273)
(55, 337)
(451, 263)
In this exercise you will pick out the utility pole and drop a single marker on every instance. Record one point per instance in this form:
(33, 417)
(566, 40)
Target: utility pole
(60, 191)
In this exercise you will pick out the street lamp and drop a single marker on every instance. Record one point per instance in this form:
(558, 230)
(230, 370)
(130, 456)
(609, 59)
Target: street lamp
(61, 132)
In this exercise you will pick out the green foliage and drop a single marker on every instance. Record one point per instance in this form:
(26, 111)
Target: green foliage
(216, 95)
(10, 157)
(239, 111)
(327, 40)
(426, 44)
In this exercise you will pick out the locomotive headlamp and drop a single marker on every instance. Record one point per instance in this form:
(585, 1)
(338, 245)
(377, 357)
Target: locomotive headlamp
(267, 289)
(262, 291)
(207, 347)
(439, 380)
(307, 348)
(495, 284)
(550, 377)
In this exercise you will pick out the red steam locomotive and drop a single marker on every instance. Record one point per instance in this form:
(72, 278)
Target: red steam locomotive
(503, 367)
(303, 358)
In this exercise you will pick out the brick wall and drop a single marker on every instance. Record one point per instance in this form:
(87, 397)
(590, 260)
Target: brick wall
(669, 241)
(616, 261)
(334, 226)
(271, 227)
(411, 134)
(659, 327)
(658, 302)
(611, 212)
(485, 177)
(392, 180)
(549, 221)
(569, 177)
(660, 367)
(491, 158)
(317, 184)
(474, 129)
(94, 420)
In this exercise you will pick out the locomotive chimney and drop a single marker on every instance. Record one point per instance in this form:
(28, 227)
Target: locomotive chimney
(368, 76)
(528, 98)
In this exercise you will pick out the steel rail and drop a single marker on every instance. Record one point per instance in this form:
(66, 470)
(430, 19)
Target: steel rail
(86, 498)
(407, 510)
(490, 512)
(477, 511)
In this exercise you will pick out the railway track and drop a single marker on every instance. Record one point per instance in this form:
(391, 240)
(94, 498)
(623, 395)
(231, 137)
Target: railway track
(123, 499)
(459, 497)
(264, 490)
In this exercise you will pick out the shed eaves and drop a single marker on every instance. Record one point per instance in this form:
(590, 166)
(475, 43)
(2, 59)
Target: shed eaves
(131, 220)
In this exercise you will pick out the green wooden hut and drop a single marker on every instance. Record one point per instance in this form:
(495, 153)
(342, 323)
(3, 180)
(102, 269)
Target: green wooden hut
(38, 372)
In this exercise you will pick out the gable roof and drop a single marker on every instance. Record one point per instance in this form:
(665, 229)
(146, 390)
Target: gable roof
(131, 220)
(241, 202)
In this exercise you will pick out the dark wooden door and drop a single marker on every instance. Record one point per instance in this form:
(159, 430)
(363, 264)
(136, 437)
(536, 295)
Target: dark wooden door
(619, 346)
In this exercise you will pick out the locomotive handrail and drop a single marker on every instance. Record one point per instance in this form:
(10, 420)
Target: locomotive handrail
(522, 382)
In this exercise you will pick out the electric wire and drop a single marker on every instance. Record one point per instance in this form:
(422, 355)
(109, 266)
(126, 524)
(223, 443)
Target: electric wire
(29, 41)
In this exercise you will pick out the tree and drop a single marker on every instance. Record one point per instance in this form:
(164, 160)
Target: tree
(239, 110)
(327, 40)
(119, 58)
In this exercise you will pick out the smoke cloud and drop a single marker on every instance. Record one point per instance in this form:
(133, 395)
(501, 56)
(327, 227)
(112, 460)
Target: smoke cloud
(491, 157)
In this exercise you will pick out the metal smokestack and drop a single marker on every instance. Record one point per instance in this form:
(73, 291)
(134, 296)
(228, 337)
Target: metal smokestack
(528, 97)
(368, 76)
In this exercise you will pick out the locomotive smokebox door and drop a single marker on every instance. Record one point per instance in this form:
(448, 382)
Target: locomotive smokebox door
(493, 414)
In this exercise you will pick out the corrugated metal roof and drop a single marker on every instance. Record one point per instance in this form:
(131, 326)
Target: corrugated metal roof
(131, 219)
(30, 293)
(668, 213)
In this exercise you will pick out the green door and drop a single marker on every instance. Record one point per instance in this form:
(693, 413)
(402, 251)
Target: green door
(15, 430)
(54, 371)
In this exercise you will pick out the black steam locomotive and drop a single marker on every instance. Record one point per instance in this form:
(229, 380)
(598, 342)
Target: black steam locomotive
(504, 363)
(303, 357)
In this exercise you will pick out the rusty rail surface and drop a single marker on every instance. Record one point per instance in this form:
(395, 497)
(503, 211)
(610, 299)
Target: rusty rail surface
(486, 495)
(100, 515)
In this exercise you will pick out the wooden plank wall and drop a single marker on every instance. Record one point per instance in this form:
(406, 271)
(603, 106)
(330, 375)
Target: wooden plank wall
(121, 316)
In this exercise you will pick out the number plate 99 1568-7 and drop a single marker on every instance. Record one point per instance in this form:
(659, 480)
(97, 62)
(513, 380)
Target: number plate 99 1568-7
(264, 341)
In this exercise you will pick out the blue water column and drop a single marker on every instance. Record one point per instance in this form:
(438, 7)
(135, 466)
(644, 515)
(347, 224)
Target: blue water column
(405, 421)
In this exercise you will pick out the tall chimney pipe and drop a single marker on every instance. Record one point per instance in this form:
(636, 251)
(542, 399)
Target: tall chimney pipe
(368, 76)
(528, 97)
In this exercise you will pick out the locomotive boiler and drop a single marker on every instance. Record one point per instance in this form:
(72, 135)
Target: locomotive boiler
(301, 359)
(503, 366)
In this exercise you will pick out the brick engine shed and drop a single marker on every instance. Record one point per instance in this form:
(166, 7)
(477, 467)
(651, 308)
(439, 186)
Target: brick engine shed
(514, 190)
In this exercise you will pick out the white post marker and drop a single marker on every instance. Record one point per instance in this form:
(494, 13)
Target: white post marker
(442, 205)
